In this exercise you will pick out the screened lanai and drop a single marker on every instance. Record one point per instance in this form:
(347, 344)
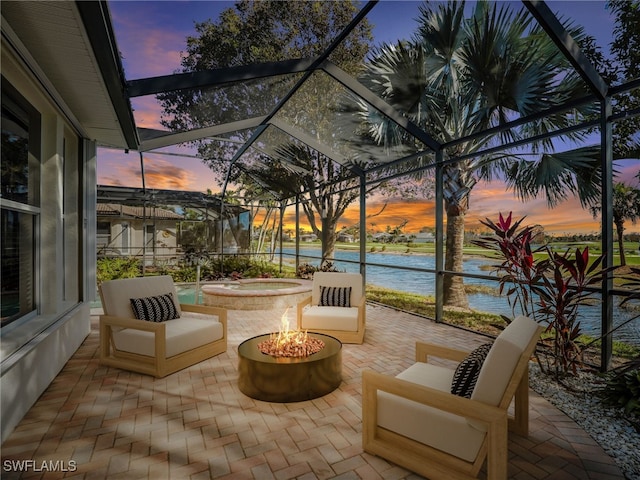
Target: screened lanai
(66, 95)
(264, 121)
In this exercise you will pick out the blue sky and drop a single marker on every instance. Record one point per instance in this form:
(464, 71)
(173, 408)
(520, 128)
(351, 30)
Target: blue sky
(151, 35)
(157, 25)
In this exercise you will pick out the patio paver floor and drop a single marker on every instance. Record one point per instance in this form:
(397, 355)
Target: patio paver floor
(195, 424)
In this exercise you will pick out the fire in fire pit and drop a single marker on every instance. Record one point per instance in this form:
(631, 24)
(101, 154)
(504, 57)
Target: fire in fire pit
(290, 343)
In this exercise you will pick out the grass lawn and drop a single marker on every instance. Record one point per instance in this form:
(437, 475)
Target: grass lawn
(474, 320)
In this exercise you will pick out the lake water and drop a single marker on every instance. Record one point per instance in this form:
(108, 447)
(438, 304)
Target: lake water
(423, 283)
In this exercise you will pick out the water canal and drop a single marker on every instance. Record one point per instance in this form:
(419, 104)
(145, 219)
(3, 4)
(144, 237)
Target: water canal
(423, 283)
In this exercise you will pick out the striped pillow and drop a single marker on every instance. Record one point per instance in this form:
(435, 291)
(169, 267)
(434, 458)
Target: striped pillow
(466, 374)
(155, 309)
(335, 296)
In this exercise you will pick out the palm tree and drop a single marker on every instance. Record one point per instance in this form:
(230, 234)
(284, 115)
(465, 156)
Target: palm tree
(459, 76)
(625, 206)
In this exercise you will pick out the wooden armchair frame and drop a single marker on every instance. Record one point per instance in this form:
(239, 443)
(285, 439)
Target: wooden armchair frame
(343, 335)
(159, 365)
(358, 299)
(426, 460)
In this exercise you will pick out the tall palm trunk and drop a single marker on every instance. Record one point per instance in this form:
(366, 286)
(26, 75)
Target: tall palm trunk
(620, 232)
(463, 74)
(459, 182)
(454, 293)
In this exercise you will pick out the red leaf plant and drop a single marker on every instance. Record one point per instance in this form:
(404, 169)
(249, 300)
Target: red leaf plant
(545, 285)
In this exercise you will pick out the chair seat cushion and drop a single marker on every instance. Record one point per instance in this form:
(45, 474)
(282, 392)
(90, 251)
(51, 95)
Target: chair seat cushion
(330, 318)
(442, 430)
(190, 331)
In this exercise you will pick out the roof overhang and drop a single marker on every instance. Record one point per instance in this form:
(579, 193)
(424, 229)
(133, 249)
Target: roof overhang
(71, 49)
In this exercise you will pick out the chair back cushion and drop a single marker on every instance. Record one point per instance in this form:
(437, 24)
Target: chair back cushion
(502, 359)
(337, 279)
(116, 295)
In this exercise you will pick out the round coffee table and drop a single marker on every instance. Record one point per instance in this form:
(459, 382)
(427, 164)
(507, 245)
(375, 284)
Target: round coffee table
(289, 379)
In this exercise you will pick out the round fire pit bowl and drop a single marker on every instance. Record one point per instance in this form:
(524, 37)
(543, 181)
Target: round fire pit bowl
(289, 379)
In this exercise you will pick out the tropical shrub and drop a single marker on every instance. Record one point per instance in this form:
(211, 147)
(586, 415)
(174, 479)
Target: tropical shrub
(237, 267)
(184, 274)
(623, 390)
(623, 384)
(545, 285)
(109, 268)
(519, 268)
(561, 293)
(261, 269)
(306, 270)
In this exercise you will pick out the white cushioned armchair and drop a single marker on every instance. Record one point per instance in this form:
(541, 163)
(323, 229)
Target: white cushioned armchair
(414, 419)
(325, 311)
(157, 344)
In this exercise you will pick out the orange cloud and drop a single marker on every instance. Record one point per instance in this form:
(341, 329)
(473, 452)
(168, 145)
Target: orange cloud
(158, 173)
(147, 112)
(486, 202)
(165, 175)
(167, 172)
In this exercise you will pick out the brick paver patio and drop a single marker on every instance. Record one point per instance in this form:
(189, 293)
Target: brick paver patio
(195, 424)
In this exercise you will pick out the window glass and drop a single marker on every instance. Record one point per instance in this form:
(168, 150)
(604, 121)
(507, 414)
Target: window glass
(15, 152)
(103, 235)
(17, 250)
(20, 201)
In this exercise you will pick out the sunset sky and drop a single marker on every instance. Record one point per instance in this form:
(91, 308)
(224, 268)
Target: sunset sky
(151, 35)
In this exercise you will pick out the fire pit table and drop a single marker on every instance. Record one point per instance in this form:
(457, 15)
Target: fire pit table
(289, 379)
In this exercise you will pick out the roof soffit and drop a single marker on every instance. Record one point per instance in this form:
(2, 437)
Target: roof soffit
(55, 37)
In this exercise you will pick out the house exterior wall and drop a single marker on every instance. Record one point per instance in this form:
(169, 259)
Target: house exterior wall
(162, 247)
(35, 347)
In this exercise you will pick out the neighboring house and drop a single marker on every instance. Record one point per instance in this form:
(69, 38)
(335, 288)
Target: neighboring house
(308, 237)
(382, 237)
(144, 223)
(345, 237)
(149, 233)
(422, 237)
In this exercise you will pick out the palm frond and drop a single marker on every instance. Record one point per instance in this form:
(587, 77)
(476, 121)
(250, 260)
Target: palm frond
(556, 175)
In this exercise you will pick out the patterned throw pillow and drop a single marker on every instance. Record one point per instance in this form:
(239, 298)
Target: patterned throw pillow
(155, 309)
(335, 296)
(466, 375)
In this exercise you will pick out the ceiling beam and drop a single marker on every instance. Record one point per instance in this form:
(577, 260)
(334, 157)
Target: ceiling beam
(363, 92)
(567, 45)
(309, 141)
(152, 139)
(317, 62)
(218, 76)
